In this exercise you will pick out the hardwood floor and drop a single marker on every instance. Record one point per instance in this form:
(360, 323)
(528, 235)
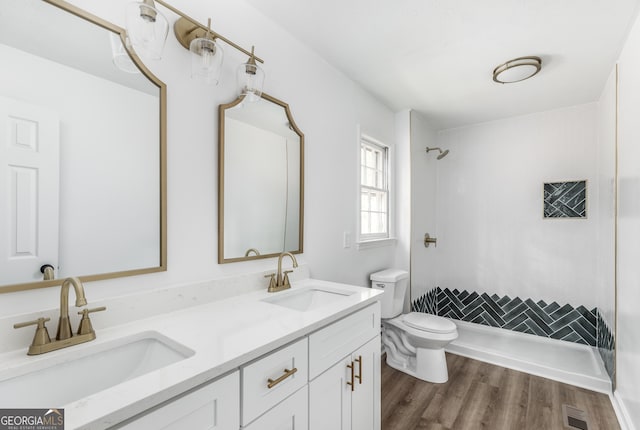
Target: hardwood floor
(482, 396)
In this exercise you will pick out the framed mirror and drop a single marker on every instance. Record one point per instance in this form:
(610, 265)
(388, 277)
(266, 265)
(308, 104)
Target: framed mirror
(261, 180)
(82, 150)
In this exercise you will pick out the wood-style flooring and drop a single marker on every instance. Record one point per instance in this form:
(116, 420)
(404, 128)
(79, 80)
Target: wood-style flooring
(483, 396)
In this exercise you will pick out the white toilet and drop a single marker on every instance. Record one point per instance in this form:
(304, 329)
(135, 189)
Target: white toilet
(414, 342)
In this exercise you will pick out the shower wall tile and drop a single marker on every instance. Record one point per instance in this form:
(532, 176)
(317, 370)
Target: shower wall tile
(526, 316)
(565, 199)
(427, 303)
(606, 345)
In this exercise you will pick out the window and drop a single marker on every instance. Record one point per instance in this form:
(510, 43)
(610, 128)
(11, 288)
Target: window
(374, 190)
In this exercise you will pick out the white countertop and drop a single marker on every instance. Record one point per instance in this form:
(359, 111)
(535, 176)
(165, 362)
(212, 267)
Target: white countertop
(223, 334)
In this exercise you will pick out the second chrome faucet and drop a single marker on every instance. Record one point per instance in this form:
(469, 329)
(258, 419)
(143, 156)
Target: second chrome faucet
(280, 281)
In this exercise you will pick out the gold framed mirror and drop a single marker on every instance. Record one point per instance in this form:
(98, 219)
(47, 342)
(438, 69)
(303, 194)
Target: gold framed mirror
(261, 180)
(83, 159)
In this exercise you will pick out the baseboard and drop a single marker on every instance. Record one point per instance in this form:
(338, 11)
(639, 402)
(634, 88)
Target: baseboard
(621, 412)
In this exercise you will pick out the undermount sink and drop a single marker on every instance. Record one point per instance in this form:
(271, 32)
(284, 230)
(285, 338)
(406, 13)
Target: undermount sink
(69, 377)
(308, 299)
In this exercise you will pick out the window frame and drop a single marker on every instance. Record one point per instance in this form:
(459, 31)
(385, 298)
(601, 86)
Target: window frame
(375, 238)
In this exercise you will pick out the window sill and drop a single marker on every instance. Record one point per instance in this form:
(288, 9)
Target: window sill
(375, 243)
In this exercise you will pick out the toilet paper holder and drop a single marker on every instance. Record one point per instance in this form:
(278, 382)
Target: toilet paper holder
(428, 240)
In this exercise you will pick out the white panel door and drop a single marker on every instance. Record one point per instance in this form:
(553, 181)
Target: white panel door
(330, 398)
(365, 399)
(291, 414)
(214, 407)
(29, 189)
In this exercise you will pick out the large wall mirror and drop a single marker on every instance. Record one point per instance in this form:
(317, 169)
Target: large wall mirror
(261, 187)
(82, 150)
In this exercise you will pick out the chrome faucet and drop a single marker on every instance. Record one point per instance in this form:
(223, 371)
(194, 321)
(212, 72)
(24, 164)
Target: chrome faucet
(42, 342)
(64, 326)
(281, 281)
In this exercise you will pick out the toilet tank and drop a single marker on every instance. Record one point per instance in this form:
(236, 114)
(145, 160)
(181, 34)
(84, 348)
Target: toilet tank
(394, 283)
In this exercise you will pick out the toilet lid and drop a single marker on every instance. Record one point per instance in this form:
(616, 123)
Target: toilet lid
(428, 322)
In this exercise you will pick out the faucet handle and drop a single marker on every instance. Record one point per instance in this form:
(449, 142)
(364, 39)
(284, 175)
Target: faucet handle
(42, 334)
(285, 281)
(272, 281)
(85, 326)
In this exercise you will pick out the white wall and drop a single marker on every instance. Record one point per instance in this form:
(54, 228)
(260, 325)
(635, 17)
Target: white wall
(628, 300)
(402, 187)
(326, 106)
(492, 236)
(424, 168)
(605, 190)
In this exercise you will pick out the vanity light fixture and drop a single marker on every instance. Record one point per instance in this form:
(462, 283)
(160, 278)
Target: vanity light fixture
(206, 53)
(147, 29)
(206, 57)
(250, 79)
(120, 56)
(517, 70)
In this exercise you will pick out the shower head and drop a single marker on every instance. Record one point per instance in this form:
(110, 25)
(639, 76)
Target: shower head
(442, 153)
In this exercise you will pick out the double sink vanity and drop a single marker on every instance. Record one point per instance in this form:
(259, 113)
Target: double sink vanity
(308, 357)
(190, 356)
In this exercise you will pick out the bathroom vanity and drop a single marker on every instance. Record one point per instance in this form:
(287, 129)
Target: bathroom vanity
(305, 358)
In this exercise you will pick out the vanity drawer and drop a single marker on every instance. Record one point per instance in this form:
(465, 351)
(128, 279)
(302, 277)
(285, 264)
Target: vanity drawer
(330, 344)
(272, 378)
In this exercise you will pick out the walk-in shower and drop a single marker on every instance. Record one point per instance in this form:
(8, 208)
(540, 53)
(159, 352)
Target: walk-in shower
(442, 153)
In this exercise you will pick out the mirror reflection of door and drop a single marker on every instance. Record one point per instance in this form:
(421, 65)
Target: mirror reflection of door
(29, 180)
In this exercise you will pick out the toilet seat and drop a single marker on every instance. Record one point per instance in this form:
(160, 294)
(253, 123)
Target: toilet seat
(429, 323)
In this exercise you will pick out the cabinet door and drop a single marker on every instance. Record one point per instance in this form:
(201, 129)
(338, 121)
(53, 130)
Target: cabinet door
(330, 398)
(291, 414)
(365, 398)
(215, 406)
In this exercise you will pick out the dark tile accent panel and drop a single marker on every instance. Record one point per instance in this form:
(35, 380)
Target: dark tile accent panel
(606, 345)
(565, 199)
(526, 316)
(427, 303)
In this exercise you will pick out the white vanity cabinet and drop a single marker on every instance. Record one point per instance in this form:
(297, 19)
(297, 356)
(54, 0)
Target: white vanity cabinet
(216, 406)
(326, 380)
(344, 363)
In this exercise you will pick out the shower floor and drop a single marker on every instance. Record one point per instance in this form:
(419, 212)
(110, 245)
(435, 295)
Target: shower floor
(567, 362)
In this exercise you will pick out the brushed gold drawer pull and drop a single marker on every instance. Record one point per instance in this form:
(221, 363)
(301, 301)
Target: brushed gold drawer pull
(273, 382)
(352, 383)
(359, 376)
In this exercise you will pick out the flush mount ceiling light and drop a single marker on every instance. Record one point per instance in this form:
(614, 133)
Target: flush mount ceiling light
(517, 70)
(147, 29)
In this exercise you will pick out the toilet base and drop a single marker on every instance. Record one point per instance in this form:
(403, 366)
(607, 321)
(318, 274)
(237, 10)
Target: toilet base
(429, 365)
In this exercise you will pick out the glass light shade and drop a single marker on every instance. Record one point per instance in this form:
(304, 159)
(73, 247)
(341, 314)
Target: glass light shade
(121, 57)
(250, 81)
(206, 60)
(147, 29)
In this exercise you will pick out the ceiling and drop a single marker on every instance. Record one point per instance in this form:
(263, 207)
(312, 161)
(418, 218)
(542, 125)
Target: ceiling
(437, 56)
